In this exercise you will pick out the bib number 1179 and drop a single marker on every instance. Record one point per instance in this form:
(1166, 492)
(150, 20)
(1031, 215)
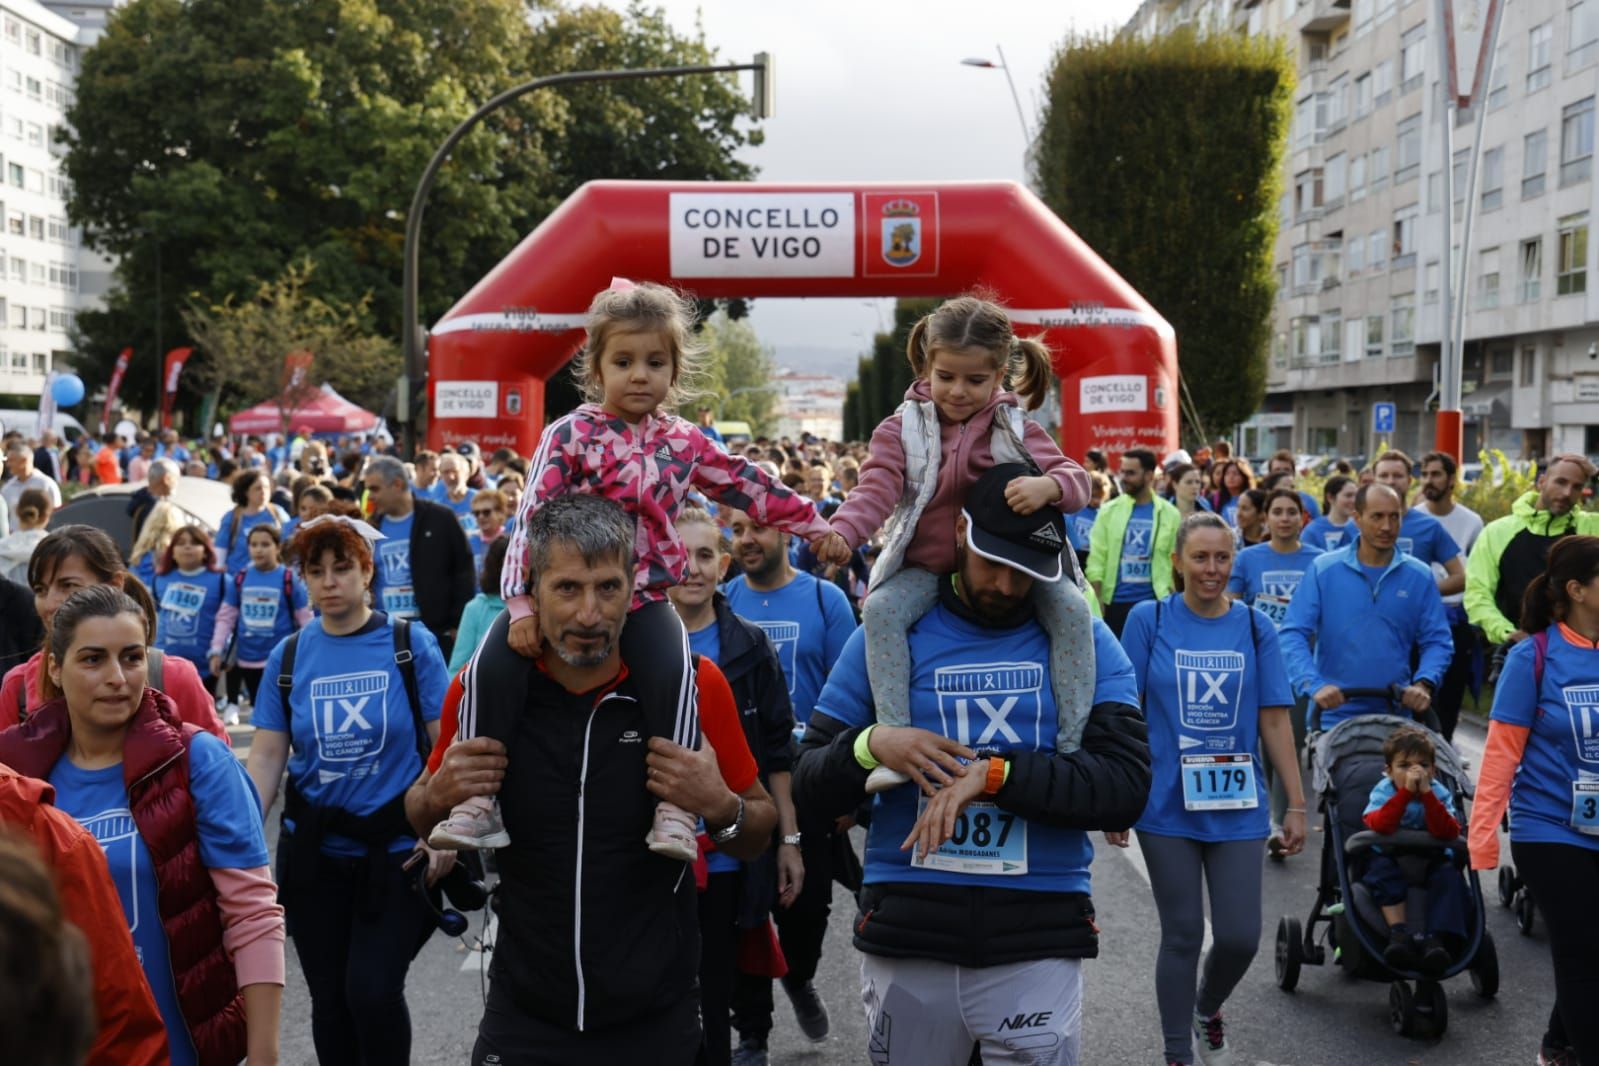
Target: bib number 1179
(1219, 782)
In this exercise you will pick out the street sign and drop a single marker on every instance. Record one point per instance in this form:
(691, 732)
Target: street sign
(1467, 33)
(1382, 418)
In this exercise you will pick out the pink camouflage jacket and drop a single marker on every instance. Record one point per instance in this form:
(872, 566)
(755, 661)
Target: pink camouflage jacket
(649, 469)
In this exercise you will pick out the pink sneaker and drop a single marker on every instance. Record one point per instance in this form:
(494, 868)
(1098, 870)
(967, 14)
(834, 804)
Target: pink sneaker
(474, 824)
(673, 833)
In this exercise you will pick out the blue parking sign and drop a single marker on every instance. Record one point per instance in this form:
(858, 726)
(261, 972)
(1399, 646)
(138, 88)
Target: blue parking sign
(1382, 418)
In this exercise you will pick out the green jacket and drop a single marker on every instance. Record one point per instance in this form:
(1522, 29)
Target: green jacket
(1482, 568)
(1105, 546)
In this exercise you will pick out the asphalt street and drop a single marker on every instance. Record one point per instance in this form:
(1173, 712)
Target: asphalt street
(1329, 1020)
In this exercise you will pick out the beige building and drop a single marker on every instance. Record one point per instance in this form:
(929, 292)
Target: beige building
(1360, 258)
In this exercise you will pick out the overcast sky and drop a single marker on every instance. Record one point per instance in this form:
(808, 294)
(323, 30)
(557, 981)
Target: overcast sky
(873, 90)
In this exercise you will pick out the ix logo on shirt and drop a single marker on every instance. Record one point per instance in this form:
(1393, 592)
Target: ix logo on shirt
(1208, 687)
(982, 699)
(785, 638)
(1582, 701)
(349, 716)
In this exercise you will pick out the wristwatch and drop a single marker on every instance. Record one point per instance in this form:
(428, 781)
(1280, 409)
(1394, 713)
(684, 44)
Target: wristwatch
(996, 769)
(722, 836)
(792, 838)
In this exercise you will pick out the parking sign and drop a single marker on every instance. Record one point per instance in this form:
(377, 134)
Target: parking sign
(1382, 418)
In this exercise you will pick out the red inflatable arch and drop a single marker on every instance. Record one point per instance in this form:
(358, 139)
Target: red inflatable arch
(1115, 357)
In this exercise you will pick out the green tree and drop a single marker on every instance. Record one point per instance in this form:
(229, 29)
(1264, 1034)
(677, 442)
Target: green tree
(883, 376)
(214, 143)
(737, 379)
(1165, 155)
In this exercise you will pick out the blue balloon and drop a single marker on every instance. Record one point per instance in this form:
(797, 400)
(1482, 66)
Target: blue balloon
(67, 389)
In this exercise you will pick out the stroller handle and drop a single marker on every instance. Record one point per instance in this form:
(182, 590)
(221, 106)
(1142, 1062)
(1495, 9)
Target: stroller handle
(1394, 694)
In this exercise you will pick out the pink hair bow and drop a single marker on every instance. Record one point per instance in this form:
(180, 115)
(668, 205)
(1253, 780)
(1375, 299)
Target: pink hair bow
(622, 285)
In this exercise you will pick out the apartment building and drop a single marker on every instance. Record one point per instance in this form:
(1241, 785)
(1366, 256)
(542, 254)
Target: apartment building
(1360, 251)
(809, 403)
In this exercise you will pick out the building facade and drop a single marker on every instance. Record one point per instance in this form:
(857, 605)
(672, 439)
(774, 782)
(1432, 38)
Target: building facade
(1360, 252)
(809, 403)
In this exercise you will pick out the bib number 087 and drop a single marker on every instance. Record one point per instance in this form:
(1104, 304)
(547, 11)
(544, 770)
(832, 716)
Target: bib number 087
(985, 829)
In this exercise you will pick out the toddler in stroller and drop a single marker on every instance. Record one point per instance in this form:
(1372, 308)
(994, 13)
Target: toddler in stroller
(1409, 797)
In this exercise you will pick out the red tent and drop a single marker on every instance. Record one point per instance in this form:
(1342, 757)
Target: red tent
(327, 412)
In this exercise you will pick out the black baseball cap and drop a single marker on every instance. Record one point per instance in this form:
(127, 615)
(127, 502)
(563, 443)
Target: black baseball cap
(1029, 543)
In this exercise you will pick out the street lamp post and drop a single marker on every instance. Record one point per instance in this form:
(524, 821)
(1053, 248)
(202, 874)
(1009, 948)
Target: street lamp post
(415, 370)
(989, 64)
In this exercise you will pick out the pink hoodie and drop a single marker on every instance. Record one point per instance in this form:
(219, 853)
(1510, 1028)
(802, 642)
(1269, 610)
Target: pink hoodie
(965, 455)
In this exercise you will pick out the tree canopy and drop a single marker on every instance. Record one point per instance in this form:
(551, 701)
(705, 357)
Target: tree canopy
(212, 144)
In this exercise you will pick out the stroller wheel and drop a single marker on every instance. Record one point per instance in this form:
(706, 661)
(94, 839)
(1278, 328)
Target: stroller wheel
(1507, 886)
(1432, 1010)
(1401, 1008)
(1290, 953)
(1485, 968)
(1525, 910)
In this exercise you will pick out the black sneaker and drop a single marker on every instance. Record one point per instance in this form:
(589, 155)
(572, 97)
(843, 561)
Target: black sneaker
(1400, 954)
(809, 1010)
(751, 1051)
(1435, 958)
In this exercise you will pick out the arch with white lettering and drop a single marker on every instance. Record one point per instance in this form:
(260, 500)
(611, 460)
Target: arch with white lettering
(1116, 358)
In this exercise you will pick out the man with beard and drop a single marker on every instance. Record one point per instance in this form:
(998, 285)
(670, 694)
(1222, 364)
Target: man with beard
(976, 914)
(1130, 547)
(1463, 524)
(596, 958)
(808, 621)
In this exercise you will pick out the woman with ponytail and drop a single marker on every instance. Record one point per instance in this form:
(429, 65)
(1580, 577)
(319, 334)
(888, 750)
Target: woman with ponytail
(75, 557)
(962, 415)
(1542, 762)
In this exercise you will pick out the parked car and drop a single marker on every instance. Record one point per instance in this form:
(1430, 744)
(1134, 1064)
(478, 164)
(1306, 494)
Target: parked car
(106, 507)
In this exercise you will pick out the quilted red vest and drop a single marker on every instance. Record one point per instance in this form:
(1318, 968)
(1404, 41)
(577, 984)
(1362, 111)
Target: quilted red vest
(155, 766)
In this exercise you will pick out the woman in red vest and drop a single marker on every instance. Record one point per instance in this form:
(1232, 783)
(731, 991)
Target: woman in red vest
(179, 822)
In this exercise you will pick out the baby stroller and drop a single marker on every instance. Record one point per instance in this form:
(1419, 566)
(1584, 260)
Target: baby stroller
(1346, 762)
(1513, 895)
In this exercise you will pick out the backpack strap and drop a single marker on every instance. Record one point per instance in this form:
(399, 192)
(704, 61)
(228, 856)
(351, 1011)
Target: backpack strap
(286, 670)
(1540, 652)
(406, 662)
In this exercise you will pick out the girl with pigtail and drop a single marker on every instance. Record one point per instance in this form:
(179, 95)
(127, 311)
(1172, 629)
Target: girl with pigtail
(962, 415)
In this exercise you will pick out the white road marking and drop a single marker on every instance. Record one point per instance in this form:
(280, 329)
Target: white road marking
(475, 956)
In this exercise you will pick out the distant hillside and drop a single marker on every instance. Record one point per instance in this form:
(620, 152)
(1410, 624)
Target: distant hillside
(819, 359)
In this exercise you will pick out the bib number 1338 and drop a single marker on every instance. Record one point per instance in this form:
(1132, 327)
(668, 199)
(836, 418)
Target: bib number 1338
(1219, 782)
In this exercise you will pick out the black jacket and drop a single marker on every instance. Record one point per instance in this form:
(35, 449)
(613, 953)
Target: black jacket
(442, 570)
(1103, 785)
(20, 630)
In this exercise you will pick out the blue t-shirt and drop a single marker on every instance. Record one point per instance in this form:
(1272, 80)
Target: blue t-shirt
(393, 590)
(707, 644)
(435, 492)
(144, 569)
(266, 601)
(1266, 578)
(985, 688)
(1323, 533)
(233, 535)
(1079, 526)
(1204, 681)
(1421, 536)
(227, 815)
(1556, 789)
(808, 622)
(463, 510)
(188, 606)
(1229, 512)
(353, 742)
(1133, 582)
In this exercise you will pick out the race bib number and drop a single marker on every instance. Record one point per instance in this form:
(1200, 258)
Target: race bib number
(180, 610)
(259, 609)
(1585, 806)
(400, 601)
(1219, 782)
(1136, 552)
(1273, 607)
(987, 841)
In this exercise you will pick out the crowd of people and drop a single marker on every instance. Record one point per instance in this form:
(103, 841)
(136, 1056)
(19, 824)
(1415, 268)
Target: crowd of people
(657, 678)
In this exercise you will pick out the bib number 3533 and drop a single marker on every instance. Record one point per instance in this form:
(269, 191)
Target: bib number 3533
(986, 841)
(1585, 806)
(1219, 782)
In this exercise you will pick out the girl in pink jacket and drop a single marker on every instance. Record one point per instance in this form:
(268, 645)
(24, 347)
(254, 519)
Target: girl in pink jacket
(959, 419)
(624, 444)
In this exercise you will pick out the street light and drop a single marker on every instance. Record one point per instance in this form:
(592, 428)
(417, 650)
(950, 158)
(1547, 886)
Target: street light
(989, 64)
(415, 372)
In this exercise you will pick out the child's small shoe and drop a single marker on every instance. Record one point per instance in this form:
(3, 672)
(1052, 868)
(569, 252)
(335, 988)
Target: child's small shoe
(1400, 954)
(673, 833)
(1435, 958)
(882, 779)
(473, 825)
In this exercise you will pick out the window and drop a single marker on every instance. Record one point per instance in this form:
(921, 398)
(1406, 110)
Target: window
(38, 274)
(1377, 249)
(36, 227)
(1307, 192)
(17, 223)
(1571, 270)
(1373, 336)
(1435, 192)
(35, 135)
(1412, 58)
(1304, 121)
(1488, 278)
(13, 31)
(1429, 285)
(35, 180)
(1499, 89)
(1382, 82)
(1576, 141)
(1531, 269)
(1403, 313)
(19, 317)
(1307, 267)
(1357, 179)
(1304, 338)
(1333, 189)
(1377, 169)
(36, 46)
(1279, 350)
(1458, 181)
(19, 269)
(1407, 155)
(35, 87)
(1363, 95)
(1337, 102)
(1529, 366)
(1583, 33)
(1331, 335)
(1493, 179)
(1404, 249)
(16, 175)
(1539, 48)
(1534, 158)
(1355, 257)
(1363, 16)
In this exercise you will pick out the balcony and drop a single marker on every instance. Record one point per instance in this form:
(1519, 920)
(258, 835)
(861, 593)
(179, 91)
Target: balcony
(1326, 15)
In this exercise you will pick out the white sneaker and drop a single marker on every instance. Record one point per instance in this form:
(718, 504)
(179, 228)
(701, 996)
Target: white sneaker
(673, 834)
(230, 714)
(473, 825)
(882, 779)
(1210, 1042)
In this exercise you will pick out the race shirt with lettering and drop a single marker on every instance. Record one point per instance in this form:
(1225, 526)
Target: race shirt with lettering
(187, 603)
(1326, 534)
(352, 739)
(393, 589)
(1555, 796)
(986, 688)
(1133, 581)
(1204, 681)
(266, 614)
(227, 815)
(808, 622)
(1079, 526)
(1266, 578)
